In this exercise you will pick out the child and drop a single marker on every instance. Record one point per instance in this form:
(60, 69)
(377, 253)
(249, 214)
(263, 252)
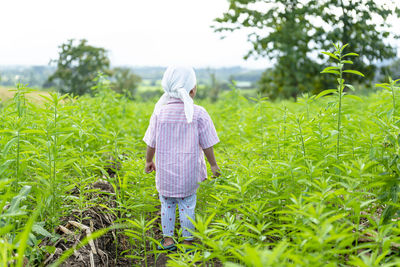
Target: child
(178, 133)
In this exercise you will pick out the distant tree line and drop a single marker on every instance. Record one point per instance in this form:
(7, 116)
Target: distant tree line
(78, 64)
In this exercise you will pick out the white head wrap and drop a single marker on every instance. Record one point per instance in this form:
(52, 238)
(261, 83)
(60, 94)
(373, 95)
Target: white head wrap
(177, 82)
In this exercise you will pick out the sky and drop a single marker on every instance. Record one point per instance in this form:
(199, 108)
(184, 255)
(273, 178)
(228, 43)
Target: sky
(134, 32)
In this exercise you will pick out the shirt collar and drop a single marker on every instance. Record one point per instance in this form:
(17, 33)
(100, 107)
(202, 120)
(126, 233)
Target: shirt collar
(174, 100)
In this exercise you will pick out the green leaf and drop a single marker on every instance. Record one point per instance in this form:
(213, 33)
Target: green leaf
(332, 68)
(343, 47)
(31, 131)
(337, 46)
(325, 92)
(383, 85)
(46, 97)
(77, 168)
(351, 87)
(24, 235)
(347, 62)
(5, 164)
(331, 55)
(38, 229)
(331, 71)
(249, 181)
(228, 188)
(16, 201)
(8, 146)
(351, 54)
(354, 97)
(6, 229)
(9, 131)
(354, 72)
(151, 222)
(63, 138)
(13, 214)
(50, 249)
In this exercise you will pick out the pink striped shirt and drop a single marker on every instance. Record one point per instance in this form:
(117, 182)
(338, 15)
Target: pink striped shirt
(180, 163)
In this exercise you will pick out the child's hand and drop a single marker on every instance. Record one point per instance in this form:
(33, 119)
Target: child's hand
(215, 170)
(150, 166)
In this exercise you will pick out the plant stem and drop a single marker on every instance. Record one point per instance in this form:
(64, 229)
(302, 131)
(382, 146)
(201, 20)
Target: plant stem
(145, 250)
(54, 158)
(262, 126)
(284, 131)
(18, 152)
(340, 112)
(394, 100)
(302, 139)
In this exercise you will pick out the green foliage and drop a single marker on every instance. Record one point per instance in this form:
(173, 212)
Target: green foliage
(291, 32)
(363, 24)
(390, 178)
(77, 66)
(392, 87)
(393, 70)
(125, 82)
(211, 89)
(284, 199)
(337, 70)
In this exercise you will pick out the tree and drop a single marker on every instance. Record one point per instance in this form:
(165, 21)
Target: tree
(215, 87)
(211, 88)
(125, 82)
(77, 66)
(363, 25)
(393, 70)
(292, 32)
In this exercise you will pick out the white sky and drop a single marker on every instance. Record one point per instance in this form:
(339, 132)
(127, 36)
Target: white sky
(135, 32)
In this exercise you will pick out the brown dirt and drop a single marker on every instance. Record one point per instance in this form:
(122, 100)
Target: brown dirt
(102, 251)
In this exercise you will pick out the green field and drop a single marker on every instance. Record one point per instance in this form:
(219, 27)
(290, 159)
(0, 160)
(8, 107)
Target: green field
(288, 196)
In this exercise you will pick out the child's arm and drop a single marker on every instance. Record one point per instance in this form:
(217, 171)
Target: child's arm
(209, 152)
(150, 166)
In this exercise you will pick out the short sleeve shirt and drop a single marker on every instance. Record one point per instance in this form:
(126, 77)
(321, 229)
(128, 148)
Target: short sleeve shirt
(179, 158)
